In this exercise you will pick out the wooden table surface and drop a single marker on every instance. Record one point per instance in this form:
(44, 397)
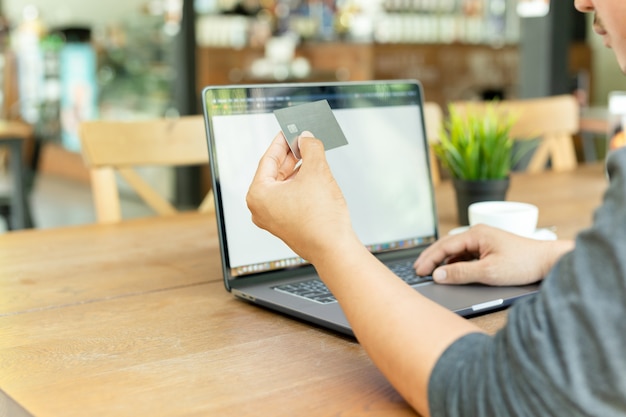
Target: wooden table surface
(133, 320)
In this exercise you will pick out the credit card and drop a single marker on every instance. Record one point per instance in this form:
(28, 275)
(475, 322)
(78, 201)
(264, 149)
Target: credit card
(317, 117)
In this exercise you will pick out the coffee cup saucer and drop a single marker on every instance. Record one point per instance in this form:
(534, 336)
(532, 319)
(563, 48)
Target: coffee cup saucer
(539, 234)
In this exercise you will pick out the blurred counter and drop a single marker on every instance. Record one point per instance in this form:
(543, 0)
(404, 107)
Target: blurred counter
(447, 71)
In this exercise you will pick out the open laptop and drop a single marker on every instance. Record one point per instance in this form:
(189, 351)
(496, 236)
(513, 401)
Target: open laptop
(383, 172)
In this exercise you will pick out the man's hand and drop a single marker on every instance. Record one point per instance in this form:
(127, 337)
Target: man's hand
(302, 205)
(490, 256)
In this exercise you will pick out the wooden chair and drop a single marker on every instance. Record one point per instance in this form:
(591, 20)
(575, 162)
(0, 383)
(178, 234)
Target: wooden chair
(118, 146)
(554, 120)
(433, 120)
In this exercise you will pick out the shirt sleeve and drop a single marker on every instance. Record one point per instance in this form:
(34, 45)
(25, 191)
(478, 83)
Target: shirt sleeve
(563, 350)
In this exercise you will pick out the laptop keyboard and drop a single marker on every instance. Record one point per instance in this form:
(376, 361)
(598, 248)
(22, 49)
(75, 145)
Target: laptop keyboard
(312, 289)
(405, 270)
(316, 290)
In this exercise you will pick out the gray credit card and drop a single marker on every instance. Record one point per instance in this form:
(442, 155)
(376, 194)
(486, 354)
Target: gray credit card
(316, 117)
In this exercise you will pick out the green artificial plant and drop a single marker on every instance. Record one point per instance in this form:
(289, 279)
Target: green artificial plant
(476, 145)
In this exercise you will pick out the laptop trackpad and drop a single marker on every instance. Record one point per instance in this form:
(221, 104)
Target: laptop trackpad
(461, 298)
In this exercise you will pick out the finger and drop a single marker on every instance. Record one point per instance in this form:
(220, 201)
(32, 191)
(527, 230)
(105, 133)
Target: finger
(312, 152)
(274, 161)
(456, 246)
(289, 166)
(289, 162)
(460, 273)
(306, 134)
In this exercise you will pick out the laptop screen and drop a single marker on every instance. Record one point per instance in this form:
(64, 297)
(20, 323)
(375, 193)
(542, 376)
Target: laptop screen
(383, 172)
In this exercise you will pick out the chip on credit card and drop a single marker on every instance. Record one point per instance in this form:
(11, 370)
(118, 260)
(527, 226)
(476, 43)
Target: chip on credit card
(316, 117)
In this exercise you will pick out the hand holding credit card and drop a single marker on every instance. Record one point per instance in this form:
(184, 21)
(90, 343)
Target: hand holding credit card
(316, 117)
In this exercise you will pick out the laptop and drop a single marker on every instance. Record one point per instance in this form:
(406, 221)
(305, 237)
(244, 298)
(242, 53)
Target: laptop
(383, 173)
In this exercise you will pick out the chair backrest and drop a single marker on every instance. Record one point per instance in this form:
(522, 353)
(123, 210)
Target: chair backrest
(433, 120)
(118, 146)
(554, 120)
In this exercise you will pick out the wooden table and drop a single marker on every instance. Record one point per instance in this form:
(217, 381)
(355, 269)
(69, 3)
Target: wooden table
(132, 320)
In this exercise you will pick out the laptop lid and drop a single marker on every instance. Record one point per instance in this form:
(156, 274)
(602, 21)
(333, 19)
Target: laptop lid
(383, 171)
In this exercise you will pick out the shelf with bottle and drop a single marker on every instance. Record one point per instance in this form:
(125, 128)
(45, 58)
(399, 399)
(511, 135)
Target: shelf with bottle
(449, 21)
(386, 21)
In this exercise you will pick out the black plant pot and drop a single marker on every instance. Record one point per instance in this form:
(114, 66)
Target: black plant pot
(473, 191)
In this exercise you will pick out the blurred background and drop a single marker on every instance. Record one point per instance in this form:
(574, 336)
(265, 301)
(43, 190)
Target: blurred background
(70, 60)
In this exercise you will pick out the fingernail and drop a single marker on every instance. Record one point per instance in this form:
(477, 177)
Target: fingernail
(306, 134)
(440, 275)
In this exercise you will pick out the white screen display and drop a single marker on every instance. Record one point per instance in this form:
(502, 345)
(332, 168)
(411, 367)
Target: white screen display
(383, 173)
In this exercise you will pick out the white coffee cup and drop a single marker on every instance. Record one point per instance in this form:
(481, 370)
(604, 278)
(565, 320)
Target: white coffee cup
(512, 216)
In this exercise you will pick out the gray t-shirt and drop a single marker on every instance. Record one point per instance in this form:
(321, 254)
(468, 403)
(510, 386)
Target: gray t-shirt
(562, 351)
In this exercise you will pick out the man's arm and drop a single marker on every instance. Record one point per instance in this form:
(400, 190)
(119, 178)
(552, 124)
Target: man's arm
(561, 351)
(403, 332)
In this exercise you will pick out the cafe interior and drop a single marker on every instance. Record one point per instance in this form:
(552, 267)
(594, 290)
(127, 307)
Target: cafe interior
(112, 299)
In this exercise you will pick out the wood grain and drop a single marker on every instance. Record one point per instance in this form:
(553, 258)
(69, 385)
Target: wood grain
(132, 319)
(187, 351)
(42, 269)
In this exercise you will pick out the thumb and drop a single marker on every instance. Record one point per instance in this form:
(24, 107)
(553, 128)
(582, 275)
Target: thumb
(310, 147)
(458, 273)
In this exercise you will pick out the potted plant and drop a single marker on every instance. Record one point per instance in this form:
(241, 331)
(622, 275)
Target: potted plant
(477, 150)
